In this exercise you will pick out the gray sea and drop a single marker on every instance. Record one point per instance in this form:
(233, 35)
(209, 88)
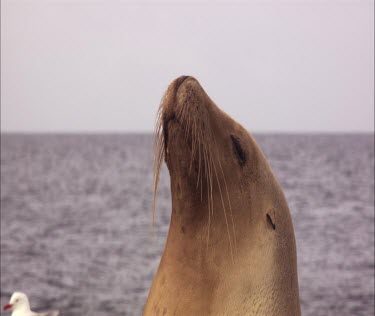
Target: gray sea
(76, 218)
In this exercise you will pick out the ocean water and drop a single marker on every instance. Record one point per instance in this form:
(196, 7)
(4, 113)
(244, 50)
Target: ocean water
(76, 218)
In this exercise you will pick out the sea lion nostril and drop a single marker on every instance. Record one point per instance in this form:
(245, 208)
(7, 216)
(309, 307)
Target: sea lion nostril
(180, 80)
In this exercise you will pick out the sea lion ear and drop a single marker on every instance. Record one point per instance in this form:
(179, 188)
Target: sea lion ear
(238, 150)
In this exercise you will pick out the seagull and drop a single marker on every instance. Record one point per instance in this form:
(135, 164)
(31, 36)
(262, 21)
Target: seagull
(19, 303)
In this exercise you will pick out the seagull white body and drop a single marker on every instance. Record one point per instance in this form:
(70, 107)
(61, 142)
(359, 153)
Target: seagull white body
(19, 303)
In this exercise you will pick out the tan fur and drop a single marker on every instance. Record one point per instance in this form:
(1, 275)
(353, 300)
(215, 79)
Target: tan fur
(223, 256)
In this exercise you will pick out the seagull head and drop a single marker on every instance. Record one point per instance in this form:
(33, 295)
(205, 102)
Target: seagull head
(18, 301)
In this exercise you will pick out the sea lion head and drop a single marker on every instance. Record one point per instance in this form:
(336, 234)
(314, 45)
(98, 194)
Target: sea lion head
(215, 165)
(230, 248)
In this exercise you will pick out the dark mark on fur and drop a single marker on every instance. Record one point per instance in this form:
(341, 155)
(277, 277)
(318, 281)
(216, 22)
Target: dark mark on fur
(269, 220)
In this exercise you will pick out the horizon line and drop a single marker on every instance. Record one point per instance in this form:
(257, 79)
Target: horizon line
(148, 132)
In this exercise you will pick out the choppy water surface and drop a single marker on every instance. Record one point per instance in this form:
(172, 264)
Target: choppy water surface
(76, 216)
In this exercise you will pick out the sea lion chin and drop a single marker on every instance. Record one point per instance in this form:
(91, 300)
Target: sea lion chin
(230, 248)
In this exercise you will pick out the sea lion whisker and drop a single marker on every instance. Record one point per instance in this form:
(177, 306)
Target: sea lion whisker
(199, 164)
(205, 158)
(178, 111)
(196, 139)
(187, 124)
(208, 199)
(225, 213)
(228, 198)
(210, 178)
(193, 146)
(157, 168)
(209, 151)
(184, 116)
(186, 128)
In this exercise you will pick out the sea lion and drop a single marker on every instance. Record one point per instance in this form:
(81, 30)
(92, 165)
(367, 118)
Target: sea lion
(230, 248)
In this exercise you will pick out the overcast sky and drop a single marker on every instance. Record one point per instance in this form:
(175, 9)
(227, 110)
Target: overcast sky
(97, 66)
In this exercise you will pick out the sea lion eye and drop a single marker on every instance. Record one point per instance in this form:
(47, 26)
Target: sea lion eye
(240, 154)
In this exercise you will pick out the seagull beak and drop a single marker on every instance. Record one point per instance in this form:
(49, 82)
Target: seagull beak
(7, 306)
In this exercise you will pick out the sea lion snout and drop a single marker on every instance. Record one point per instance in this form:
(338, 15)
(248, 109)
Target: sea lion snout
(184, 104)
(180, 80)
(169, 109)
(185, 135)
